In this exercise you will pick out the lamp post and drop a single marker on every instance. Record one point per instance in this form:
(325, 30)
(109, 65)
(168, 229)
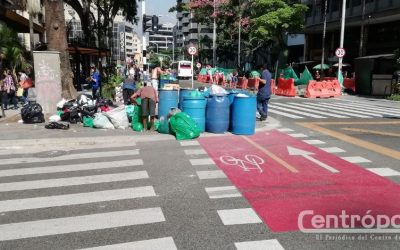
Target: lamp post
(215, 39)
(342, 36)
(155, 44)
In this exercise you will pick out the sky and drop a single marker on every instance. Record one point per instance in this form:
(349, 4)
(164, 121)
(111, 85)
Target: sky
(161, 7)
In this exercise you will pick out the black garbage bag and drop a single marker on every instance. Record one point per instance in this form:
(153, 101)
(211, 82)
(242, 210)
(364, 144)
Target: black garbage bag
(89, 111)
(72, 115)
(32, 113)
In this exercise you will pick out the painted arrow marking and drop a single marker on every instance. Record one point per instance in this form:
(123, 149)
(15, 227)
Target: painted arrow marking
(307, 155)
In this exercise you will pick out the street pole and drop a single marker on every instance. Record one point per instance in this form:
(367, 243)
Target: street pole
(360, 52)
(192, 73)
(215, 39)
(240, 26)
(342, 35)
(144, 33)
(323, 40)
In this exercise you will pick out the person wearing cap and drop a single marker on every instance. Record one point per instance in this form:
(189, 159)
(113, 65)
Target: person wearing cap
(95, 81)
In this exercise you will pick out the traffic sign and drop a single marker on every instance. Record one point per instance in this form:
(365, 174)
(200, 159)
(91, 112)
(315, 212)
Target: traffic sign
(198, 65)
(192, 50)
(340, 52)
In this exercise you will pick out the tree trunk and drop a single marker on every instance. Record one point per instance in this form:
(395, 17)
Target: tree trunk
(57, 41)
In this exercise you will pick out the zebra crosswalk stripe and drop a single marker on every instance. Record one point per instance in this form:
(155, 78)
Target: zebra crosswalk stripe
(342, 110)
(76, 199)
(166, 243)
(377, 108)
(306, 108)
(284, 114)
(360, 110)
(312, 106)
(72, 181)
(22, 230)
(71, 168)
(70, 157)
(297, 112)
(370, 111)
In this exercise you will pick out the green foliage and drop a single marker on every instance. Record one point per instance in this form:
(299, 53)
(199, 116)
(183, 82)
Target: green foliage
(108, 89)
(394, 98)
(397, 58)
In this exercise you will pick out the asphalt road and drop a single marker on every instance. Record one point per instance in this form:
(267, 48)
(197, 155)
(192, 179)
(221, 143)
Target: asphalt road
(86, 188)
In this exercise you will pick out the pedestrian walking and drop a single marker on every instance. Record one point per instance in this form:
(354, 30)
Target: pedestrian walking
(8, 89)
(149, 98)
(25, 83)
(128, 89)
(264, 92)
(95, 81)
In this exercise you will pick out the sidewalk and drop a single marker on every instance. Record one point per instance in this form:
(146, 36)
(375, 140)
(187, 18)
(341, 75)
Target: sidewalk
(12, 115)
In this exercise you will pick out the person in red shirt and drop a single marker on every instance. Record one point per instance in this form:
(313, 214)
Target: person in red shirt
(149, 98)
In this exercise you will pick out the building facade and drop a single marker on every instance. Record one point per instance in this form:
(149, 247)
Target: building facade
(379, 20)
(162, 39)
(189, 31)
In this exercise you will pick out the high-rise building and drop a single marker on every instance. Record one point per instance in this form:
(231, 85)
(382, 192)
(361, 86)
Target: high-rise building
(379, 20)
(162, 39)
(188, 31)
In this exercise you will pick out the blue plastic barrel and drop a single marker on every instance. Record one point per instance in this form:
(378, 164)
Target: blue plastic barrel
(244, 115)
(167, 99)
(195, 107)
(182, 94)
(217, 114)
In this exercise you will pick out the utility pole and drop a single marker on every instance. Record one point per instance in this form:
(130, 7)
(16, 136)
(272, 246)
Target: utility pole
(215, 39)
(342, 35)
(144, 33)
(323, 40)
(239, 28)
(360, 52)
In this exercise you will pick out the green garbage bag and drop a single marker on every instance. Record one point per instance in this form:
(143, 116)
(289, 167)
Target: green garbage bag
(59, 113)
(184, 127)
(87, 121)
(305, 77)
(130, 110)
(137, 126)
(163, 126)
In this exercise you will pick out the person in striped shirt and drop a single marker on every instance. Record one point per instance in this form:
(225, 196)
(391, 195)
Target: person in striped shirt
(8, 90)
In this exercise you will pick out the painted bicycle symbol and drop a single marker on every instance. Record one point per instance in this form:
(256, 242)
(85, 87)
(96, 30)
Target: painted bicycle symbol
(250, 162)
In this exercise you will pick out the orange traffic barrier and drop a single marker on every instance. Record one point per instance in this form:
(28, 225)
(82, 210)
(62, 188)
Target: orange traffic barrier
(242, 83)
(323, 89)
(253, 83)
(349, 83)
(328, 78)
(273, 86)
(286, 87)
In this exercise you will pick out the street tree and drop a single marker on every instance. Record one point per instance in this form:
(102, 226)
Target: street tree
(270, 23)
(57, 41)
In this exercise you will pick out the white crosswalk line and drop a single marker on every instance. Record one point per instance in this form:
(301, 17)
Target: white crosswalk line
(199, 162)
(297, 112)
(83, 223)
(356, 159)
(377, 108)
(222, 192)
(71, 168)
(72, 181)
(70, 157)
(333, 150)
(314, 142)
(298, 135)
(75, 199)
(31, 150)
(259, 245)
(238, 216)
(384, 171)
(212, 174)
(363, 110)
(313, 106)
(285, 130)
(166, 243)
(307, 109)
(189, 143)
(347, 111)
(284, 114)
(195, 152)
